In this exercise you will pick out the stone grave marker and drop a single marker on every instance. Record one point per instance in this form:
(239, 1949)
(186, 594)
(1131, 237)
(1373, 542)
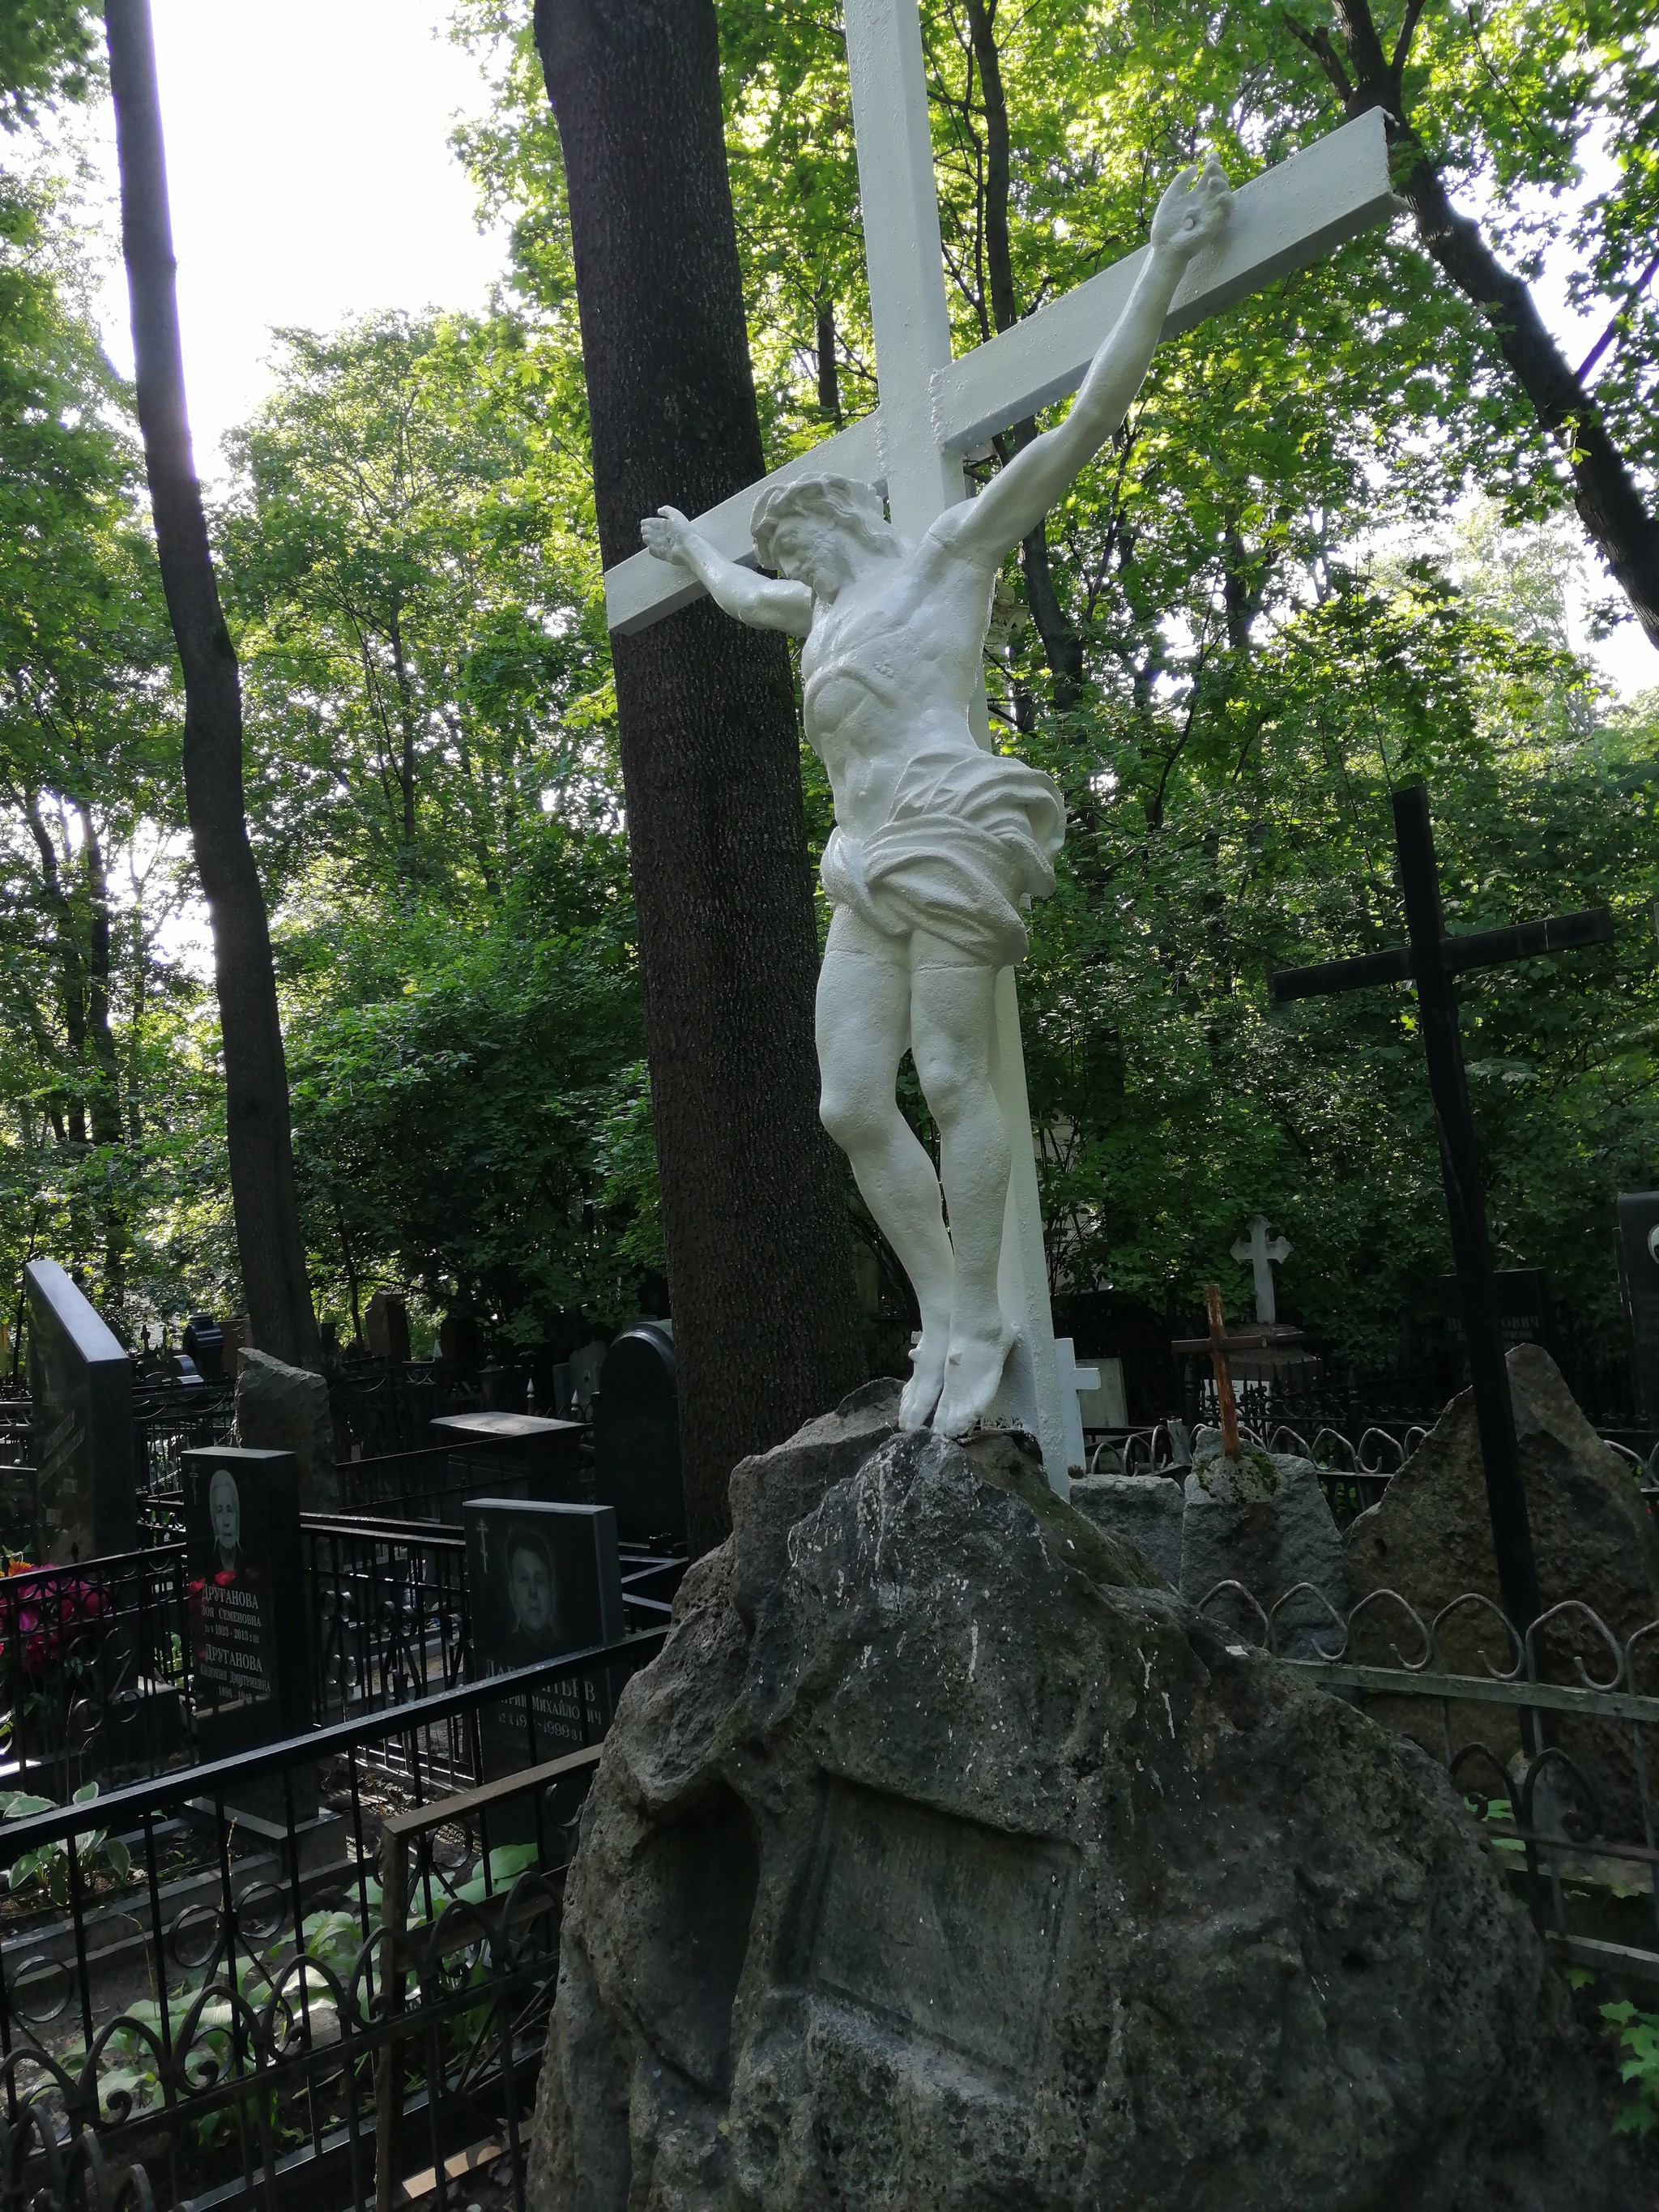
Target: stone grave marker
(204, 1344)
(285, 1409)
(386, 1327)
(80, 1436)
(1107, 1405)
(1526, 1312)
(636, 1436)
(585, 1364)
(512, 1455)
(542, 1578)
(1259, 1252)
(249, 1615)
(1638, 1286)
(842, 1798)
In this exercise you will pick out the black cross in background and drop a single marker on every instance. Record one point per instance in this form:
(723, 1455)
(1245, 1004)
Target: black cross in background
(1430, 959)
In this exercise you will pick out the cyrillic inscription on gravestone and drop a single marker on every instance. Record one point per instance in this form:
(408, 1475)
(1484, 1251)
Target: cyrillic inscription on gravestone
(250, 1655)
(939, 1925)
(81, 1422)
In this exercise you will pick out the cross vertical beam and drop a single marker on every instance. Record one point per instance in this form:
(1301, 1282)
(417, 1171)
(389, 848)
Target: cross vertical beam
(903, 257)
(1466, 1205)
(1430, 959)
(910, 317)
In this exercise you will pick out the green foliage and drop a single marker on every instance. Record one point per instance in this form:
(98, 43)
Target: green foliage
(1283, 599)
(50, 1864)
(1637, 2035)
(46, 53)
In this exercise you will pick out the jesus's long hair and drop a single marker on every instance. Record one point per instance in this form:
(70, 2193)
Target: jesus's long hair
(853, 506)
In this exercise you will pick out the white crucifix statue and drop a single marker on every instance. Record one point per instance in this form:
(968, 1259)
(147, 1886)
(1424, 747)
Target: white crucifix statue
(941, 841)
(1258, 1251)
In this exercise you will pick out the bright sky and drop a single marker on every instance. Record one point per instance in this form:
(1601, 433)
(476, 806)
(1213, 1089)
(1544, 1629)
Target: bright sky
(311, 179)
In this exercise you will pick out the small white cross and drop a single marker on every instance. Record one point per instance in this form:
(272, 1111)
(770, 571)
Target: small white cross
(1258, 1251)
(934, 409)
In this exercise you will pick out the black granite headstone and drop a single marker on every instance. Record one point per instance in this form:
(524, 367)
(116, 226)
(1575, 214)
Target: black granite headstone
(1526, 1313)
(1638, 1285)
(385, 1324)
(249, 1619)
(636, 1436)
(204, 1343)
(80, 1433)
(544, 1578)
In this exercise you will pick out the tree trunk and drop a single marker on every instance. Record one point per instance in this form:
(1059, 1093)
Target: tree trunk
(1062, 648)
(104, 1083)
(258, 1136)
(406, 728)
(1609, 501)
(754, 1219)
(829, 367)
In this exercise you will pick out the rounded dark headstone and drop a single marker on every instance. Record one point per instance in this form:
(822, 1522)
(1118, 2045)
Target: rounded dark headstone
(636, 1436)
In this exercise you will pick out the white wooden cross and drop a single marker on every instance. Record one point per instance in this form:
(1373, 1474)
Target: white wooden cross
(934, 409)
(1258, 1252)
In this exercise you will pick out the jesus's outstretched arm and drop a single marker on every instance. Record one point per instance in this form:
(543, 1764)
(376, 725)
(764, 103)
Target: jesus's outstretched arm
(761, 601)
(1190, 218)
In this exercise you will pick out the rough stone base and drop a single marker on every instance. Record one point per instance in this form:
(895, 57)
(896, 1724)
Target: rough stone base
(283, 1408)
(938, 1864)
(1143, 1509)
(1263, 1521)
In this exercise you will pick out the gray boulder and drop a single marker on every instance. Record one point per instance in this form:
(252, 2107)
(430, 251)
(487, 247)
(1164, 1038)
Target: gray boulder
(1430, 1538)
(283, 1408)
(1144, 1509)
(1263, 1520)
(953, 1867)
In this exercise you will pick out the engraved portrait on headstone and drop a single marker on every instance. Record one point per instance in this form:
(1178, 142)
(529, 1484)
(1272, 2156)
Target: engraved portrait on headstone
(941, 841)
(249, 1642)
(544, 1578)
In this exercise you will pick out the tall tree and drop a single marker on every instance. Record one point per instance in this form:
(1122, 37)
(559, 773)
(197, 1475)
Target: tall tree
(753, 1218)
(1617, 516)
(268, 1234)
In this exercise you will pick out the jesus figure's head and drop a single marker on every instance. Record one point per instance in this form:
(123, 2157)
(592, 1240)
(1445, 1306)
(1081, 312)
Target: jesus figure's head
(820, 531)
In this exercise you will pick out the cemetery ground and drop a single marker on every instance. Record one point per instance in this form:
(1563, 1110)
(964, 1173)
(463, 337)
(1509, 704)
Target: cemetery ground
(303, 1937)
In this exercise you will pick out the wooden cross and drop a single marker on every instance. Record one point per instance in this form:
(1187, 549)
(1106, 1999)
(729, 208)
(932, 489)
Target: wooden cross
(934, 409)
(1220, 1344)
(1226, 1404)
(1432, 960)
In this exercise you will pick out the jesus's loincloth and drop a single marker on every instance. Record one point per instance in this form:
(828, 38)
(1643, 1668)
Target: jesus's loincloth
(971, 836)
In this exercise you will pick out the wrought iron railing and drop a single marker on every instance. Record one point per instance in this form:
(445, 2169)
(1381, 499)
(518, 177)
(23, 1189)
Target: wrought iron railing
(256, 1978)
(1550, 1737)
(389, 1610)
(94, 1662)
(428, 1485)
(381, 1408)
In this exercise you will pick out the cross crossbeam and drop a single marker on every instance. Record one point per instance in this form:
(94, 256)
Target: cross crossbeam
(1432, 960)
(1288, 216)
(933, 410)
(1480, 948)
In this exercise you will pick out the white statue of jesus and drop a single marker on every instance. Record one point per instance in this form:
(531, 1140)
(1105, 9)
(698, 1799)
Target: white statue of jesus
(937, 844)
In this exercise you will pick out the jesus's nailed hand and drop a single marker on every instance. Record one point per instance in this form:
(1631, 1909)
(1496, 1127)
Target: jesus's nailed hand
(1193, 211)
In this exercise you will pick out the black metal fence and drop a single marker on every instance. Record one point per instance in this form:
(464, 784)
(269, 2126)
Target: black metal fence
(1550, 1737)
(167, 1422)
(268, 1977)
(94, 1669)
(381, 1407)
